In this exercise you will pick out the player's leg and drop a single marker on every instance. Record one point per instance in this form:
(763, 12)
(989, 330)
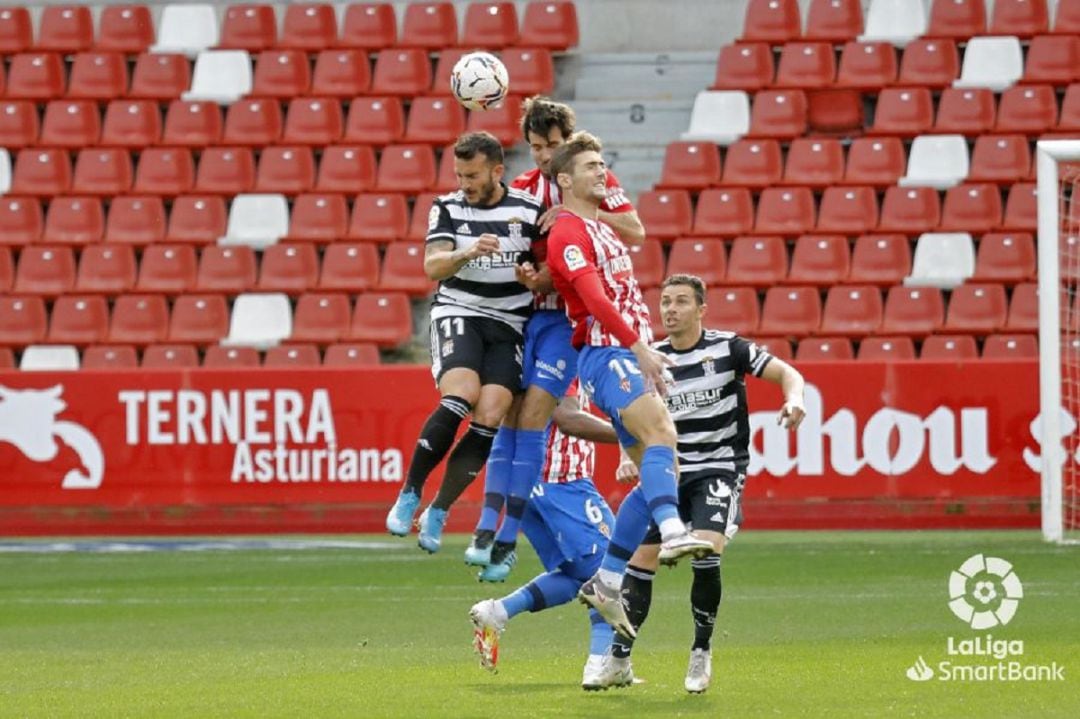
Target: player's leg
(637, 586)
(496, 483)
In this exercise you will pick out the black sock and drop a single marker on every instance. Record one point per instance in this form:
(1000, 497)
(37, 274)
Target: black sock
(705, 596)
(464, 464)
(435, 440)
(637, 596)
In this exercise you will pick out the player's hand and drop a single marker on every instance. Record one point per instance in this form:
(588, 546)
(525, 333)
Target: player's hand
(791, 415)
(627, 471)
(486, 244)
(654, 367)
(547, 220)
(527, 275)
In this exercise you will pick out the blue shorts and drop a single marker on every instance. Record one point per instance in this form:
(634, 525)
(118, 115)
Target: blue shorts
(550, 361)
(567, 522)
(613, 380)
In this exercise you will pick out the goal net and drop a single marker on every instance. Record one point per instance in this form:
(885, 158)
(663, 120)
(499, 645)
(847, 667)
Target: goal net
(1058, 166)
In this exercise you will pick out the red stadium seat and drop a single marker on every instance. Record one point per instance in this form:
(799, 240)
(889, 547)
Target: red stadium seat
(790, 311)
(321, 318)
(401, 72)
(1005, 257)
(309, 26)
(974, 208)
(429, 25)
(341, 73)
(779, 347)
(406, 168)
(318, 218)
(166, 171)
(1004, 347)
(19, 124)
(876, 161)
(772, 21)
(199, 318)
(305, 355)
(281, 73)
(125, 28)
(821, 260)
(701, 256)
(1053, 59)
(1003, 159)
(131, 123)
(913, 311)
(648, 259)
(350, 267)
(135, 220)
(403, 270)
(199, 219)
(21, 221)
(949, 347)
(1021, 208)
(346, 168)
(724, 212)
(1022, 18)
(167, 268)
(746, 66)
(379, 217)
(226, 269)
(886, 349)
(882, 260)
(1024, 309)
(74, 221)
(444, 70)
(291, 268)
(446, 177)
(824, 349)
(666, 214)
(911, 210)
(254, 122)
(1028, 109)
(848, 210)
(690, 166)
(966, 111)
(285, 170)
(551, 24)
(23, 320)
(36, 76)
(71, 124)
(1067, 18)
(375, 121)
(806, 65)
(957, 19)
(192, 124)
(835, 112)
(904, 112)
(503, 121)
(352, 354)
(170, 357)
(785, 211)
(102, 171)
(778, 113)
(249, 27)
(41, 172)
(490, 25)
(369, 26)
(753, 163)
(929, 62)
(852, 311)
(106, 269)
(651, 297)
(65, 28)
(98, 76)
(160, 76)
(533, 70)
(78, 320)
(435, 120)
(226, 171)
(16, 30)
(734, 309)
(834, 20)
(867, 65)
(384, 318)
(758, 261)
(418, 224)
(976, 308)
(109, 357)
(139, 320)
(231, 357)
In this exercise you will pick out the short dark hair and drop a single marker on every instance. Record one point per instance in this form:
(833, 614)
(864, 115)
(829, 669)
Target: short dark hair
(539, 114)
(564, 155)
(692, 281)
(472, 144)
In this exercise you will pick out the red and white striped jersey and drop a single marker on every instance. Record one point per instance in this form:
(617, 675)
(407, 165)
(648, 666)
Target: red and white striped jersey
(577, 246)
(569, 458)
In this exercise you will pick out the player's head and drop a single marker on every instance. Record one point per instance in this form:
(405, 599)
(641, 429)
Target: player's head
(682, 304)
(545, 124)
(579, 170)
(479, 168)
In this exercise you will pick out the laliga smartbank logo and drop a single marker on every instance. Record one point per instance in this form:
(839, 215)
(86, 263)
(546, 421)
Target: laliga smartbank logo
(984, 593)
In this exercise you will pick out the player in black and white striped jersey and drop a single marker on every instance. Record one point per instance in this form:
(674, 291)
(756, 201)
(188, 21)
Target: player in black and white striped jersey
(707, 400)
(477, 238)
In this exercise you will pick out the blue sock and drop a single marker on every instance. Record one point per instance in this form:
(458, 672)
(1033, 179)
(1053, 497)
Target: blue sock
(546, 590)
(526, 467)
(631, 526)
(659, 483)
(497, 478)
(600, 634)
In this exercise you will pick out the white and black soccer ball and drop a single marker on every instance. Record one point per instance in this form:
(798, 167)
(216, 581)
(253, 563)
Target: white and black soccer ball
(479, 81)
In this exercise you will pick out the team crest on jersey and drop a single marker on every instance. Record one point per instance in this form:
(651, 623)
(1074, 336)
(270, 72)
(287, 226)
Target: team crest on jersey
(708, 366)
(604, 529)
(573, 257)
(515, 228)
(624, 384)
(432, 217)
(448, 348)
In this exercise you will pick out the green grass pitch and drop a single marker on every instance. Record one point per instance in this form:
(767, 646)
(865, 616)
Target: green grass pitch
(812, 624)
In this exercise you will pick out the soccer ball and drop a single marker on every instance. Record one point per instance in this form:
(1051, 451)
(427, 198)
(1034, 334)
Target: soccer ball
(479, 80)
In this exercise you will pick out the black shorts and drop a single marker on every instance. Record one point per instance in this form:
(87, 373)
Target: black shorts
(711, 503)
(491, 348)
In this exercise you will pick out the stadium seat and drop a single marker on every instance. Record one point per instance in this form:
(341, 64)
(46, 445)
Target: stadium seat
(401, 72)
(319, 218)
(929, 62)
(1005, 347)
(993, 62)
(351, 354)
(231, 357)
(492, 25)
(913, 311)
(886, 349)
(733, 309)
(875, 161)
(340, 73)
(753, 163)
(772, 21)
(257, 220)
(957, 19)
(369, 26)
(35, 76)
(23, 320)
(938, 161)
(309, 26)
(41, 172)
(403, 270)
(976, 309)
(78, 320)
(313, 121)
(248, 27)
(882, 260)
(192, 124)
(724, 212)
(225, 171)
(165, 171)
(549, 24)
(287, 170)
(293, 355)
(835, 112)
(1027, 109)
(688, 165)
(375, 121)
(903, 112)
(346, 168)
(1003, 159)
(806, 65)
(446, 177)
(533, 70)
(1021, 208)
(350, 267)
(109, 357)
(45, 271)
(1053, 59)
(949, 347)
(74, 221)
(790, 312)
(848, 210)
(7, 269)
(160, 77)
(321, 318)
(186, 29)
(98, 76)
(1019, 17)
(851, 311)
(503, 121)
(282, 74)
(824, 349)
(259, 320)
(746, 66)
(1005, 257)
(139, 320)
(406, 168)
(785, 211)
(381, 217)
(106, 270)
(102, 171)
(720, 117)
(758, 261)
(429, 25)
(221, 76)
(648, 259)
(778, 113)
(253, 122)
(1023, 308)
(705, 257)
(651, 296)
(16, 30)
(21, 221)
(942, 259)
(169, 269)
(667, 213)
(821, 260)
(19, 126)
(290, 268)
(226, 269)
(779, 347)
(49, 358)
(834, 21)
(172, 356)
(895, 21)
(70, 124)
(434, 120)
(974, 208)
(814, 162)
(200, 219)
(418, 222)
(135, 220)
(134, 124)
(1067, 18)
(867, 66)
(966, 111)
(910, 210)
(383, 318)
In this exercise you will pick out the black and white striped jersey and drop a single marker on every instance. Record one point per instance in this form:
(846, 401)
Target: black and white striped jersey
(708, 402)
(485, 286)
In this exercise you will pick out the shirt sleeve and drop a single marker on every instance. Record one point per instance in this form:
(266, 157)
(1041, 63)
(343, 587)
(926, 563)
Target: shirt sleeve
(569, 252)
(617, 201)
(749, 357)
(440, 226)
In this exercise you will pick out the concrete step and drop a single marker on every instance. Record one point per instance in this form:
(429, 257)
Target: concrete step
(648, 123)
(636, 76)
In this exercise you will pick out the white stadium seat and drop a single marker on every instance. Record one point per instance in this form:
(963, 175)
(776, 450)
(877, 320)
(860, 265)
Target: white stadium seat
(942, 259)
(993, 62)
(257, 221)
(259, 320)
(894, 21)
(187, 29)
(221, 76)
(719, 117)
(49, 358)
(938, 161)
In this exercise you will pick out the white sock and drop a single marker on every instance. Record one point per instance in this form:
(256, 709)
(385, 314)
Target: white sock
(610, 578)
(672, 527)
(500, 612)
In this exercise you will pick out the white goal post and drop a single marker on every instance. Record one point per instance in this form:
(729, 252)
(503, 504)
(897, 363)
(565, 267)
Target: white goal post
(1058, 212)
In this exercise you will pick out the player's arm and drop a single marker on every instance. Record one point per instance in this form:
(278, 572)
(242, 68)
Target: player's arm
(792, 385)
(576, 422)
(627, 225)
(537, 280)
(442, 260)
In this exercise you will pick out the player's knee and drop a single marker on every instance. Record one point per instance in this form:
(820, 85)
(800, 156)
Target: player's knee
(706, 569)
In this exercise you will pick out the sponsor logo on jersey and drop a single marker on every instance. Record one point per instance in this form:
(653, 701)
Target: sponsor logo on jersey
(464, 229)
(432, 217)
(573, 257)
